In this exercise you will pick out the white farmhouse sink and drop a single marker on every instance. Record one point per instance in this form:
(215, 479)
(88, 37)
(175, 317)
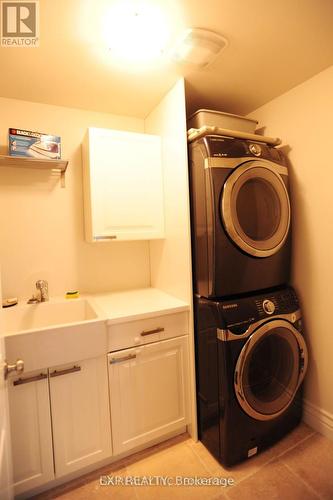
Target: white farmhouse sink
(53, 333)
(45, 314)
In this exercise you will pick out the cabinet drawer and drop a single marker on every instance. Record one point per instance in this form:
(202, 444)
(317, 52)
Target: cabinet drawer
(123, 335)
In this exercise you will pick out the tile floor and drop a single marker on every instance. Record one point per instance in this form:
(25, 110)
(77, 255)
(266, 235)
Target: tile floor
(299, 467)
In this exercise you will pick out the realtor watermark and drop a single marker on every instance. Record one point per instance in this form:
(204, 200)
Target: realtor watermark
(166, 481)
(19, 23)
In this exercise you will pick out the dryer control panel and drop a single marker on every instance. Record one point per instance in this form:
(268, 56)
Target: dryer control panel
(228, 147)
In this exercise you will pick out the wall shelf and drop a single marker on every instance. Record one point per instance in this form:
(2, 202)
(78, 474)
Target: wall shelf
(25, 162)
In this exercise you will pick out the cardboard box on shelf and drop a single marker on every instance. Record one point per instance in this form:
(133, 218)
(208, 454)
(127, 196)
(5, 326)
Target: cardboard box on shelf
(34, 144)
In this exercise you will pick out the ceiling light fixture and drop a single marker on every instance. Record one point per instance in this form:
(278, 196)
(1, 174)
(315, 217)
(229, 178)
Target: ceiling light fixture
(136, 32)
(198, 47)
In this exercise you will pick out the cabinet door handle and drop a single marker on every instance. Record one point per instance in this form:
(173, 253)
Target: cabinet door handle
(150, 332)
(35, 378)
(111, 237)
(17, 367)
(113, 361)
(58, 373)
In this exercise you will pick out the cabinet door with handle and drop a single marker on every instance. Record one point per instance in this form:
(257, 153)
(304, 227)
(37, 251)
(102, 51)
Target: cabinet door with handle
(123, 186)
(80, 414)
(31, 435)
(147, 392)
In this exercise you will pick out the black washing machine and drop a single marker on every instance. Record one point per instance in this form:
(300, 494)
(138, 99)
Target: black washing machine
(240, 216)
(251, 361)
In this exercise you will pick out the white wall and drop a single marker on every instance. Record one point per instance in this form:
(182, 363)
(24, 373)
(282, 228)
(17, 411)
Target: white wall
(303, 118)
(170, 258)
(41, 225)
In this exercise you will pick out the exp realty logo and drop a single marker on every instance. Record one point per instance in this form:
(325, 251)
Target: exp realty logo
(19, 24)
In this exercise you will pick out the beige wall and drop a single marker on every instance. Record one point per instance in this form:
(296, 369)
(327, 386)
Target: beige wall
(170, 258)
(303, 118)
(41, 225)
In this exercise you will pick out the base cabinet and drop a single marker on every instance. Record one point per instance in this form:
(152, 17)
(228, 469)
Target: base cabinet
(80, 414)
(60, 417)
(60, 421)
(148, 392)
(31, 435)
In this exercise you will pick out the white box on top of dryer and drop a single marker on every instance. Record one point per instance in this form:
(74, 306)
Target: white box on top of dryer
(211, 118)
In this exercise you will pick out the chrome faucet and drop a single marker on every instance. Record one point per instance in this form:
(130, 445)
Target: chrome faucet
(43, 287)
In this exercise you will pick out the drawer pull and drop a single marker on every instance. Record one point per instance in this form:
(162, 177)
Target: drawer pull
(150, 332)
(58, 373)
(113, 361)
(101, 238)
(35, 378)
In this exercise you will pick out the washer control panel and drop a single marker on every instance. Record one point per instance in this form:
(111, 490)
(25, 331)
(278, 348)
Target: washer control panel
(280, 302)
(268, 306)
(239, 313)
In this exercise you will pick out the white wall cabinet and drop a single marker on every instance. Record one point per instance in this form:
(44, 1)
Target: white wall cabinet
(148, 392)
(80, 414)
(31, 436)
(123, 186)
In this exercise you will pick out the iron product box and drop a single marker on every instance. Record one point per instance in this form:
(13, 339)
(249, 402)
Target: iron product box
(210, 118)
(34, 144)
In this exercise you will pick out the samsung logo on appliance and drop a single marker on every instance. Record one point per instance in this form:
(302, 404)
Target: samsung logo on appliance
(230, 306)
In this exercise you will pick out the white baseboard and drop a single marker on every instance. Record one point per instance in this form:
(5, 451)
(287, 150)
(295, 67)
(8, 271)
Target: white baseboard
(317, 418)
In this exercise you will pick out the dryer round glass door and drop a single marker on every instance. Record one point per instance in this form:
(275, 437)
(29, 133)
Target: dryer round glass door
(255, 208)
(270, 369)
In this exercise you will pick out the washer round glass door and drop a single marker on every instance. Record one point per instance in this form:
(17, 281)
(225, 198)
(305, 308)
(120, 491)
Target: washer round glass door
(270, 369)
(255, 208)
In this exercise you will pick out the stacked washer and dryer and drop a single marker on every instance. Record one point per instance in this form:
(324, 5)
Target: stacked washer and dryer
(251, 357)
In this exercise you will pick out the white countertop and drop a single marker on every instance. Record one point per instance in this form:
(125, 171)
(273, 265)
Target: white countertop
(46, 345)
(131, 305)
(108, 307)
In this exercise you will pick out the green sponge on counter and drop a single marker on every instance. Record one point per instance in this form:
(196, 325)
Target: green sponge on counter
(72, 294)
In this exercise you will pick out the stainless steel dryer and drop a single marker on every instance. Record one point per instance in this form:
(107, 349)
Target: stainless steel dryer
(251, 361)
(240, 216)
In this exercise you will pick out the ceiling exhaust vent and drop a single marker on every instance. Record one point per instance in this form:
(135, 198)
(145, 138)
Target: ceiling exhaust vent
(198, 47)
